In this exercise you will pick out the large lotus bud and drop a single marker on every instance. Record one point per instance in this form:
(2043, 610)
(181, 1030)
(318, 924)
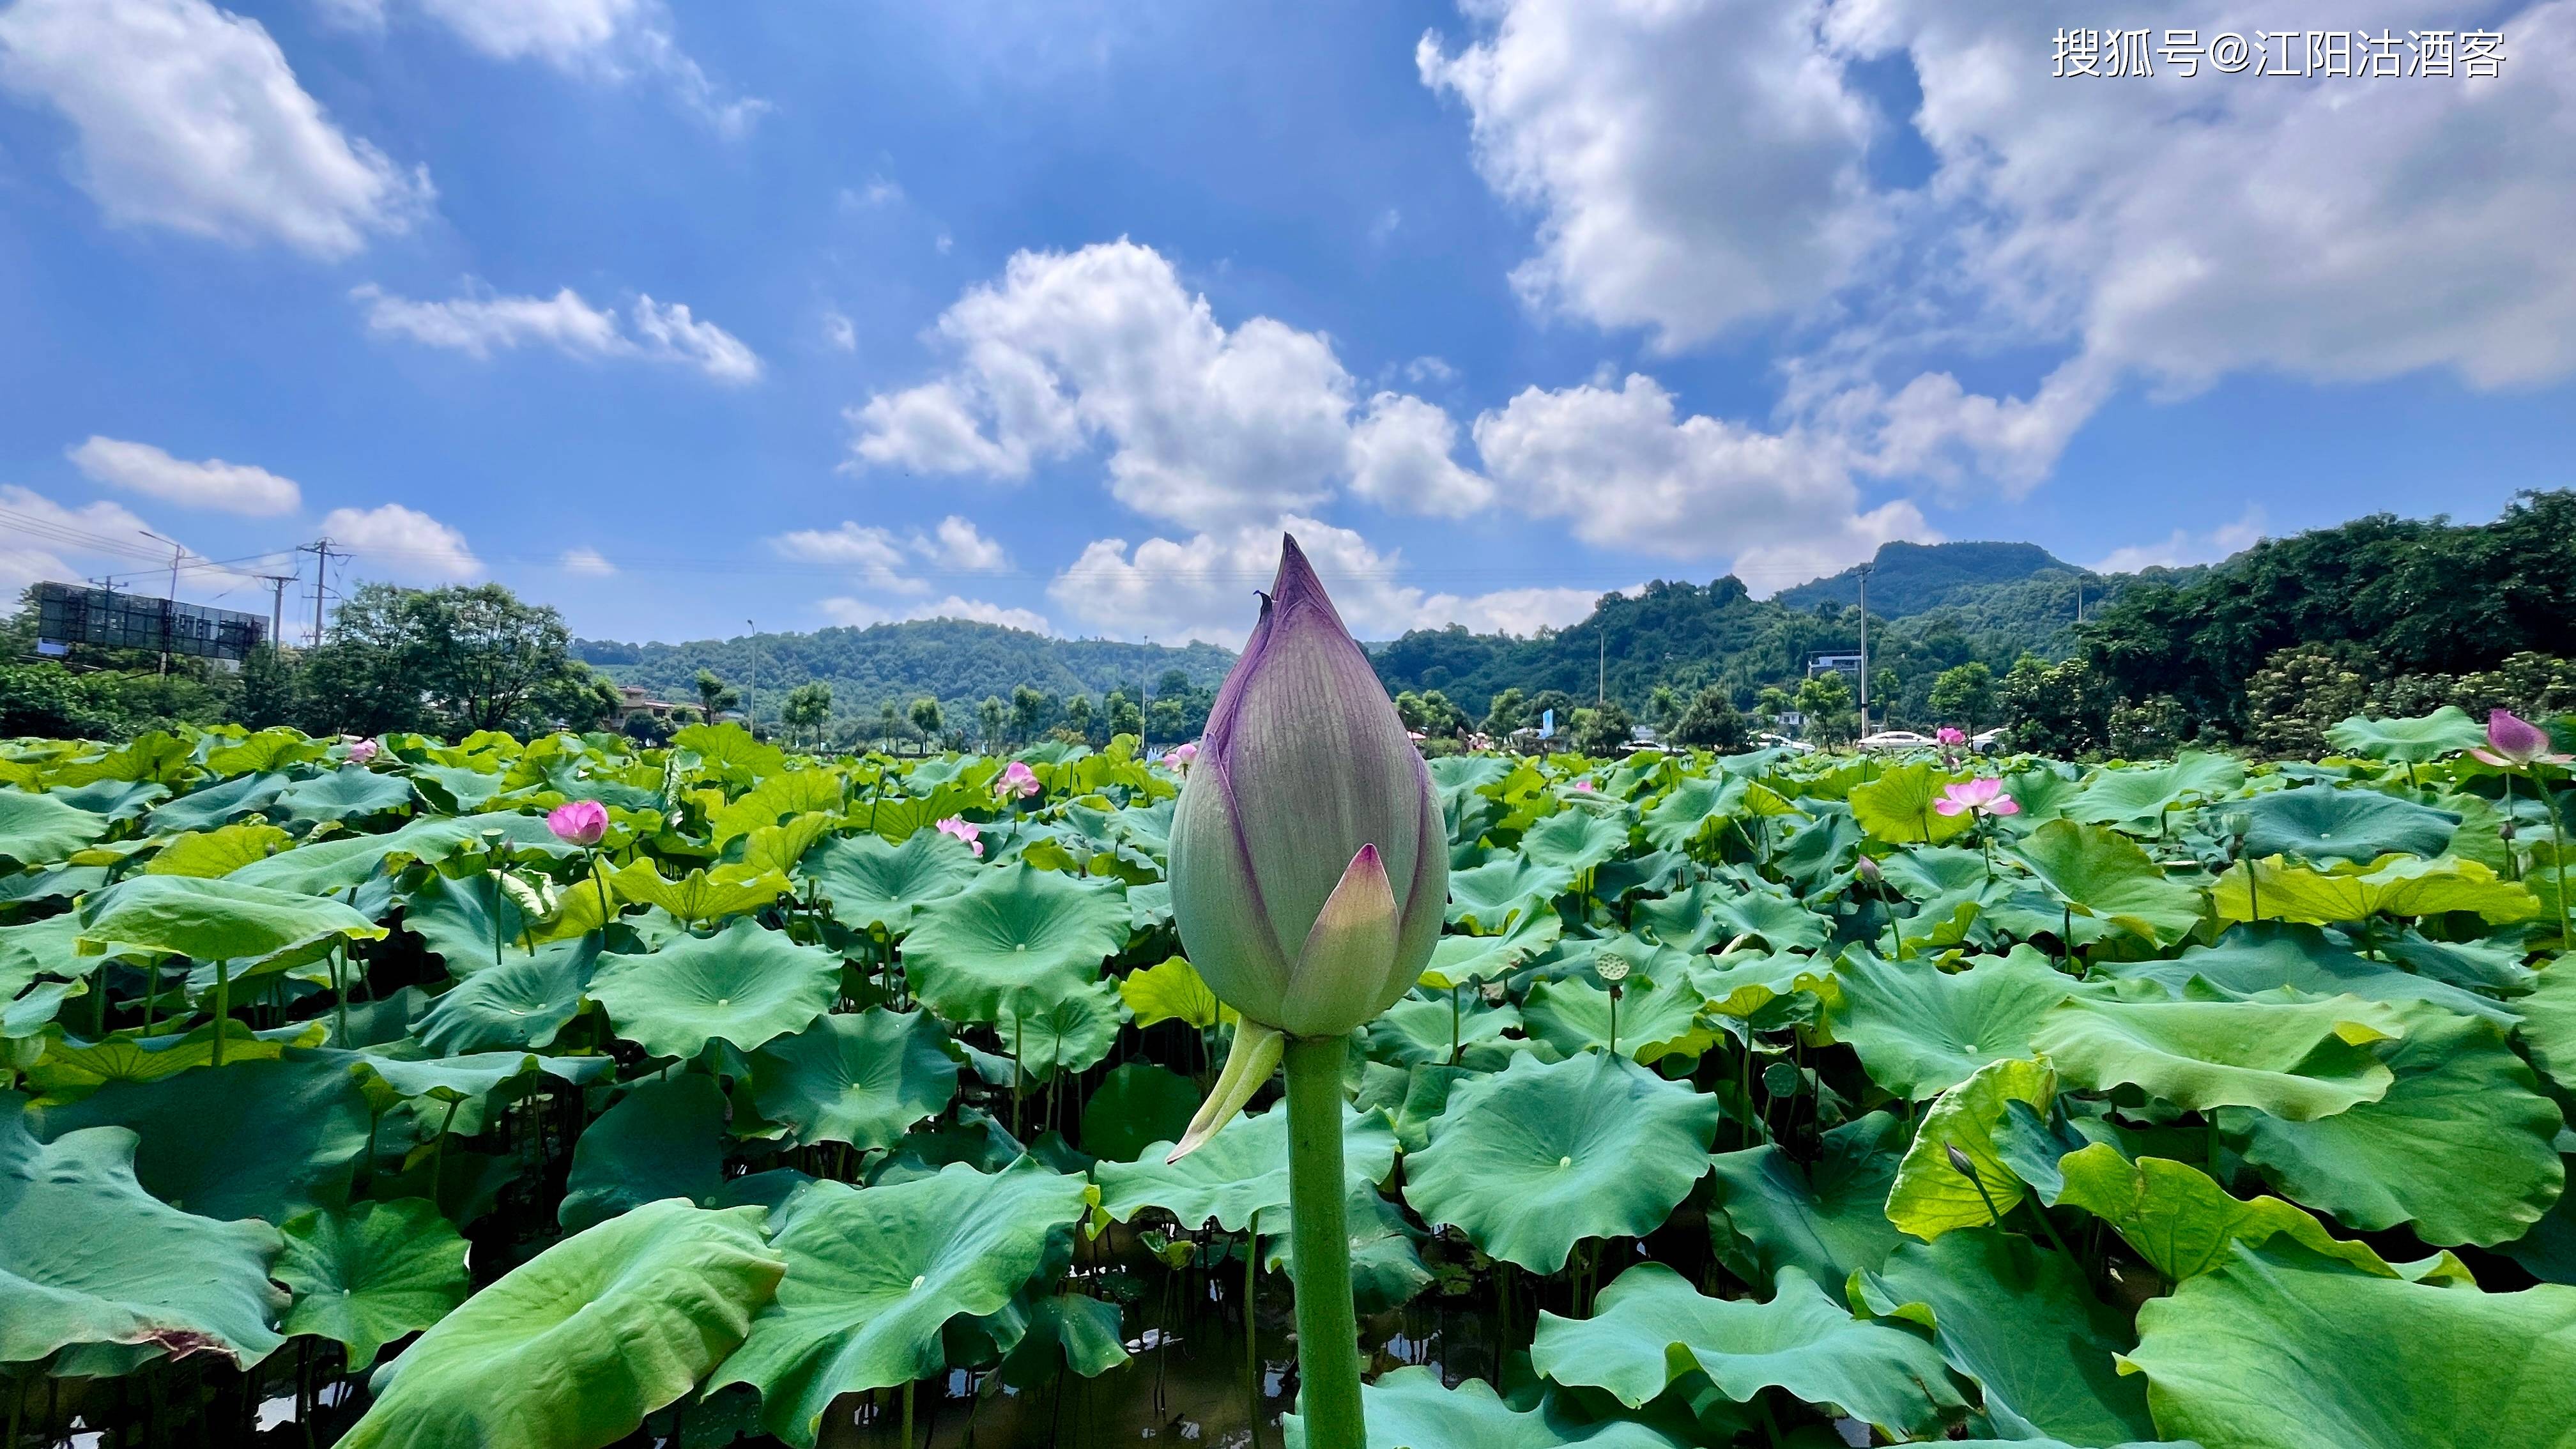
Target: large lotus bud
(1310, 864)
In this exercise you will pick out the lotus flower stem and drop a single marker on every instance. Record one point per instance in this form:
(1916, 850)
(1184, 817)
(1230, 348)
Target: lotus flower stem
(1251, 1325)
(223, 1004)
(1328, 1331)
(2557, 855)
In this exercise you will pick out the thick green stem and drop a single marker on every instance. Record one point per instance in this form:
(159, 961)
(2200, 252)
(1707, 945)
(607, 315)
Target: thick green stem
(1328, 1330)
(223, 1005)
(2557, 855)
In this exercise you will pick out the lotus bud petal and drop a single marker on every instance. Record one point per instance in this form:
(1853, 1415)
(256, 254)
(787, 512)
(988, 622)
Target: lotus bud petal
(1304, 769)
(1256, 1054)
(578, 822)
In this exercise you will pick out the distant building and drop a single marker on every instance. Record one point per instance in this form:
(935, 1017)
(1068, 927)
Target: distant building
(635, 699)
(1847, 665)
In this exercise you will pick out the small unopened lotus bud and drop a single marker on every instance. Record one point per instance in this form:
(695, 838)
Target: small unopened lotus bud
(2236, 823)
(1868, 870)
(1959, 1162)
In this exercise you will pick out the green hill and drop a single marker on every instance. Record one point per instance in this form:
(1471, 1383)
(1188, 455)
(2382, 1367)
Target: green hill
(1915, 578)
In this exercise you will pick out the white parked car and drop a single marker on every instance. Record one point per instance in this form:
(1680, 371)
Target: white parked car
(1897, 740)
(1769, 741)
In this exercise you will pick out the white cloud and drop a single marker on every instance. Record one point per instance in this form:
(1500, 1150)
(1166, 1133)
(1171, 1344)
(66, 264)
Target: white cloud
(1693, 165)
(859, 614)
(1204, 587)
(878, 192)
(1697, 166)
(872, 554)
(1204, 426)
(958, 544)
(188, 116)
(605, 40)
(214, 483)
(2184, 548)
(41, 539)
(587, 562)
(402, 544)
(1401, 460)
(481, 323)
(1626, 471)
(838, 331)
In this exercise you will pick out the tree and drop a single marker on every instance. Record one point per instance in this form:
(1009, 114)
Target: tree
(1604, 729)
(1122, 715)
(1553, 700)
(993, 717)
(1826, 700)
(2059, 709)
(1029, 710)
(1508, 712)
(714, 695)
(1774, 702)
(1663, 708)
(1964, 696)
(1709, 722)
(808, 707)
(266, 692)
(889, 724)
(2298, 694)
(1078, 718)
(927, 718)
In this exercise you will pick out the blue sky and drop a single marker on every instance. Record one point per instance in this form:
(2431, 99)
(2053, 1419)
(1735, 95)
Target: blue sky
(680, 314)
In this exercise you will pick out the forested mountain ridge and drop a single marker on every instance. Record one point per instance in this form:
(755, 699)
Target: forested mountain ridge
(946, 659)
(1906, 579)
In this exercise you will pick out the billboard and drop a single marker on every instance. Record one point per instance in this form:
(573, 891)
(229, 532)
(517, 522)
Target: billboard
(76, 614)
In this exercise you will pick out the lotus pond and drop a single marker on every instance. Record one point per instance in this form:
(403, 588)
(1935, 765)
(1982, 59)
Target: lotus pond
(1750, 1098)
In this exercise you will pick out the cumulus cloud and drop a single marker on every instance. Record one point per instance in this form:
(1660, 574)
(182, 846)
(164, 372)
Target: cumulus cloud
(1203, 425)
(838, 332)
(402, 544)
(1203, 587)
(957, 544)
(605, 40)
(1699, 167)
(213, 483)
(881, 559)
(1402, 459)
(41, 539)
(187, 116)
(1626, 470)
(482, 322)
(859, 613)
(2184, 547)
(587, 562)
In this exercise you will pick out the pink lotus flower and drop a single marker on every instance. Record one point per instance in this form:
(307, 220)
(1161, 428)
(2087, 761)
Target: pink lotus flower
(1585, 785)
(1017, 782)
(964, 830)
(1981, 796)
(2516, 743)
(362, 751)
(1181, 757)
(1950, 735)
(578, 822)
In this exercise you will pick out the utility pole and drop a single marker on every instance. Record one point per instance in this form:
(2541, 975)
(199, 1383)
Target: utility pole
(170, 605)
(1601, 680)
(1864, 647)
(2079, 598)
(751, 680)
(277, 608)
(321, 550)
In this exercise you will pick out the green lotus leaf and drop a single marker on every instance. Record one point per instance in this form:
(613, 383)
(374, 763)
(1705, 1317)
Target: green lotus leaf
(1930, 1195)
(41, 829)
(323, 867)
(2460, 1148)
(1489, 898)
(2022, 1322)
(700, 895)
(1921, 1030)
(1686, 920)
(575, 1346)
(392, 1076)
(2323, 822)
(217, 804)
(1897, 807)
(38, 949)
(1172, 990)
(1531, 1160)
(1650, 1327)
(1135, 1106)
(2548, 1027)
(1242, 1170)
(2397, 885)
(1386, 1268)
(2265, 956)
(873, 883)
(2279, 1349)
(2548, 1251)
(743, 985)
(268, 749)
(115, 799)
(367, 1275)
(220, 851)
(471, 922)
(1749, 984)
(1065, 1331)
(2184, 1224)
(2294, 1059)
(521, 1003)
(349, 793)
(2446, 731)
(69, 1070)
(87, 1257)
(778, 797)
(248, 1139)
(1828, 1219)
(1464, 960)
(1071, 1033)
(2104, 874)
(1652, 1022)
(664, 1139)
(875, 1273)
(2136, 797)
(1418, 1031)
(1410, 1408)
(215, 920)
(1018, 937)
(1574, 841)
(860, 1079)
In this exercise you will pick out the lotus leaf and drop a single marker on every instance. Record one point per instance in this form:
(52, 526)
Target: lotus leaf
(324, 866)
(1241, 1171)
(1897, 807)
(367, 1275)
(249, 1139)
(521, 1003)
(1489, 898)
(2397, 885)
(344, 794)
(700, 895)
(2446, 731)
(216, 804)
(1065, 1331)
(1653, 1022)
(1650, 1327)
(860, 1079)
(873, 883)
(2137, 797)
(220, 851)
(2101, 873)
(1574, 841)
(2461, 1147)
(743, 985)
(1135, 1106)
(1930, 1195)
(2265, 956)
(1419, 1030)
(2293, 1059)
(1827, 1219)
(1071, 1033)
(875, 1273)
(1411, 1409)
(2322, 822)
(1921, 1030)
(1531, 1160)
(1386, 1268)
(575, 1346)
(215, 920)
(1018, 938)
(1172, 990)
(2184, 1224)
(1461, 960)
(663, 1139)
(2279, 1349)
